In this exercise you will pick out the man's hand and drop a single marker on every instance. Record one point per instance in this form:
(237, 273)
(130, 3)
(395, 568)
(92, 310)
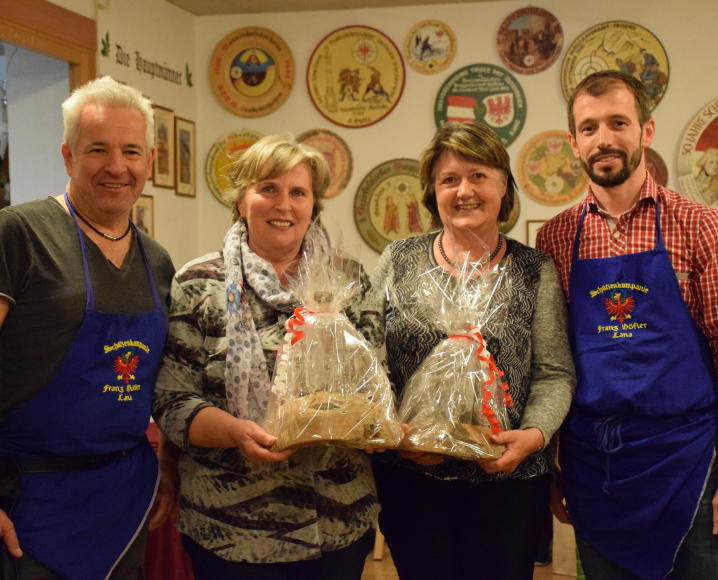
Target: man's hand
(168, 488)
(166, 499)
(4, 309)
(714, 503)
(520, 443)
(8, 535)
(7, 529)
(557, 500)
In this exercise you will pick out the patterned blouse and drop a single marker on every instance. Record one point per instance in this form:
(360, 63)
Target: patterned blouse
(532, 350)
(321, 499)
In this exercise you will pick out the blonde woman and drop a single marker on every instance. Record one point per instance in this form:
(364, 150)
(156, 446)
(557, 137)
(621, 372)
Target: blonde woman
(246, 511)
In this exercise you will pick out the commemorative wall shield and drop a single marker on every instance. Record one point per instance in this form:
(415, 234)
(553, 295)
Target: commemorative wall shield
(483, 93)
(549, 172)
(221, 155)
(336, 152)
(430, 46)
(698, 156)
(529, 40)
(617, 45)
(355, 76)
(252, 71)
(387, 205)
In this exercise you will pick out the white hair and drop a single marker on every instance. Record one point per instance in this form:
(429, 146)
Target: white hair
(106, 91)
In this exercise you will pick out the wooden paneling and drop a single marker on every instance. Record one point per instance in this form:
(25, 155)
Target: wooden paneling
(54, 31)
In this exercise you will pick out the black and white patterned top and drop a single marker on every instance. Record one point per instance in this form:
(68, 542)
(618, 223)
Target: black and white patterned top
(533, 348)
(321, 499)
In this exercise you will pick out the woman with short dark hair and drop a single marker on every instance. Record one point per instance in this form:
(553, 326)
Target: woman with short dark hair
(455, 519)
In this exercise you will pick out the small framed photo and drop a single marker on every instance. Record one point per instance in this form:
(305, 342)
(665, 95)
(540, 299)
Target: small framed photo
(185, 154)
(143, 214)
(164, 165)
(532, 226)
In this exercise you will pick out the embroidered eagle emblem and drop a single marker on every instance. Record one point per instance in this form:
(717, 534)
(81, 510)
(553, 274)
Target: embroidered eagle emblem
(126, 365)
(619, 307)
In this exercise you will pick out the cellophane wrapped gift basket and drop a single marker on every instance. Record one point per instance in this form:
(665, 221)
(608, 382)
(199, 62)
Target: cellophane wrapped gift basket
(457, 396)
(329, 385)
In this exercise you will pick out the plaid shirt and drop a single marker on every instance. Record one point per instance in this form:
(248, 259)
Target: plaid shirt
(690, 234)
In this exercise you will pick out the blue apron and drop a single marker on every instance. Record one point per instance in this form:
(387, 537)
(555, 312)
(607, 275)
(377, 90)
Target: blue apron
(639, 441)
(80, 522)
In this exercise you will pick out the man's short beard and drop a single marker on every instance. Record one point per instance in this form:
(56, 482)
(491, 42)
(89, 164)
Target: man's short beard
(613, 180)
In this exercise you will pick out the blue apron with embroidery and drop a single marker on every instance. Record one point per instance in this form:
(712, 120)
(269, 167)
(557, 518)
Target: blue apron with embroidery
(80, 522)
(639, 441)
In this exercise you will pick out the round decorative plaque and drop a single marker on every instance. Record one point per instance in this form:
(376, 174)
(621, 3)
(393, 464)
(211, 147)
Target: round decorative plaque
(252, 71)
(355, 76)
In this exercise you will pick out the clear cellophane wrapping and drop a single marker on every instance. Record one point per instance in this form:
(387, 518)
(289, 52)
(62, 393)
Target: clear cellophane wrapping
(329, 385)
(457, 396)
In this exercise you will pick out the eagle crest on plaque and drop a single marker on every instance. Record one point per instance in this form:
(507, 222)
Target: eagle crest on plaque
(499, 109)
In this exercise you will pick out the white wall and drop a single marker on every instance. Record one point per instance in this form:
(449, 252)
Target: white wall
(161, 33)
(85, 8)
(36, 86)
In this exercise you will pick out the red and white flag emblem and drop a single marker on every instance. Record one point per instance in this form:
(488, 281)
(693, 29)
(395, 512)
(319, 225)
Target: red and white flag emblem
(461, 109)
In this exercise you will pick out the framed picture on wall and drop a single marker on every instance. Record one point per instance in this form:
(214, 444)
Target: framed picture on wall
(532, 226)
(143, 214)
(185, 158)
(163, 170)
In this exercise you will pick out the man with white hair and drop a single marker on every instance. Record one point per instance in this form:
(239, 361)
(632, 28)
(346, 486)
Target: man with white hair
(82, 328)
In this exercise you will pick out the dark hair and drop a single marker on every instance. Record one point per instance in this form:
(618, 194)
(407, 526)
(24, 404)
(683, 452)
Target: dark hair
(599, 83)
(474, 142)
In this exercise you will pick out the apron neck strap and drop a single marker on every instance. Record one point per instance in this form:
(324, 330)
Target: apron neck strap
(577, 237)
(579, 228)
(148, 269)
(659, 232)
(90, 303)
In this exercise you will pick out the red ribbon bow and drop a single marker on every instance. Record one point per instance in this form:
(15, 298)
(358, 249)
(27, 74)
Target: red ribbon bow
(297, 319)
(494, 371)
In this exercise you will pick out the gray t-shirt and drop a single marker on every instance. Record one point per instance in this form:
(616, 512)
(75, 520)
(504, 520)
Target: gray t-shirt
(41, 276)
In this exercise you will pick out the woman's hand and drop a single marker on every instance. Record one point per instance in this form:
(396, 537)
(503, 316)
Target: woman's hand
(520, 443)
(213, 427)
(8, 535)
(370, 450)
(420, 457)
(255, 442)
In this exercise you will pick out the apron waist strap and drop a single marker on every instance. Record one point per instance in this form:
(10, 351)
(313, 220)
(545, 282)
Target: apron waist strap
(608, 440)
(12, 468)
(59, 462)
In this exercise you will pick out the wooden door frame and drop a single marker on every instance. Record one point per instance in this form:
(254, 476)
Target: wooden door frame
(49, 29)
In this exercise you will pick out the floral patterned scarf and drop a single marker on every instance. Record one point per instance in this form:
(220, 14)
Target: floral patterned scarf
(246, 375)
